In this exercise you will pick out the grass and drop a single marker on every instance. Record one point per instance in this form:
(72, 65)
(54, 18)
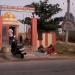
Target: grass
(63, 48)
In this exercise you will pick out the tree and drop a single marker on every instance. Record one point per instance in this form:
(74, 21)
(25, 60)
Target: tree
(26, 20)
(45, 13)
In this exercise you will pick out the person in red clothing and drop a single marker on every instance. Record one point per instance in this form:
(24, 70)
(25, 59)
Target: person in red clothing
(50, 49)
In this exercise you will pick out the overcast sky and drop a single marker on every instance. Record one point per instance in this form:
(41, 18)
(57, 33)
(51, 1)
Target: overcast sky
(63, 5)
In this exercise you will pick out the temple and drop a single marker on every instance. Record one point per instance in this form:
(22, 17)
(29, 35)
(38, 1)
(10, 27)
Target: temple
(10, 26)
(68, 25)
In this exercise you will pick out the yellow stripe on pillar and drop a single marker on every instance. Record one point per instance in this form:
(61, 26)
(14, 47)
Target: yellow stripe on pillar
(49, 39)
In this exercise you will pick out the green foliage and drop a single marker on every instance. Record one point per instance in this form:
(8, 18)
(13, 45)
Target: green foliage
(62, 47)
(27, 20)
(45, 12)
(51, 25)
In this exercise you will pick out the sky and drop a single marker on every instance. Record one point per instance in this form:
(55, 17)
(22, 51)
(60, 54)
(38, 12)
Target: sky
(63, 5)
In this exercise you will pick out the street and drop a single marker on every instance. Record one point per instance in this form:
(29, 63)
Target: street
(45, 67)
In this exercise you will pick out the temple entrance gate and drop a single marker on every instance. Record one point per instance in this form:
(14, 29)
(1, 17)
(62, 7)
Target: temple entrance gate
(19, 9)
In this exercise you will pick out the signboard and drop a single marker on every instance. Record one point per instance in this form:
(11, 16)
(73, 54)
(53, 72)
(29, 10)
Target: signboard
(16, 8)
(69, 26)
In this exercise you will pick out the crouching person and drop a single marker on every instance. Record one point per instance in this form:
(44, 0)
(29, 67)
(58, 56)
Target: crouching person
(41, 49)
(50, 49)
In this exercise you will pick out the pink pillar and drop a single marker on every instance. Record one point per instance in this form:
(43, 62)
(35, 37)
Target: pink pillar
(0, 32)
(34, 32)
(7, 31)
(40, 42)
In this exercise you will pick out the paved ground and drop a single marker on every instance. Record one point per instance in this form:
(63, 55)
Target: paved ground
(7, 57)
(33, 55)
(45, 67)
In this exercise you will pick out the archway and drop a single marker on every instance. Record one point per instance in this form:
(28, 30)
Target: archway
(20, 9)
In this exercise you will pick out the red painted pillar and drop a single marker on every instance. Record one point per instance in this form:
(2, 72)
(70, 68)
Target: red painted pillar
(46, 39)
(53, 38)
(7, 31)
(0, 32)
(34, 32)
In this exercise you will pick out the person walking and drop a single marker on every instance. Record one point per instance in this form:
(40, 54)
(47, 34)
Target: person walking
(21, 39)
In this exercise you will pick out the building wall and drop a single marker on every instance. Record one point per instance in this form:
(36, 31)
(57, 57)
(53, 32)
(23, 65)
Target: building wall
(47, 39)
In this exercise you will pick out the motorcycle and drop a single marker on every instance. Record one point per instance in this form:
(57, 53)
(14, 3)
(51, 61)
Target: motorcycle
(17, 49)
